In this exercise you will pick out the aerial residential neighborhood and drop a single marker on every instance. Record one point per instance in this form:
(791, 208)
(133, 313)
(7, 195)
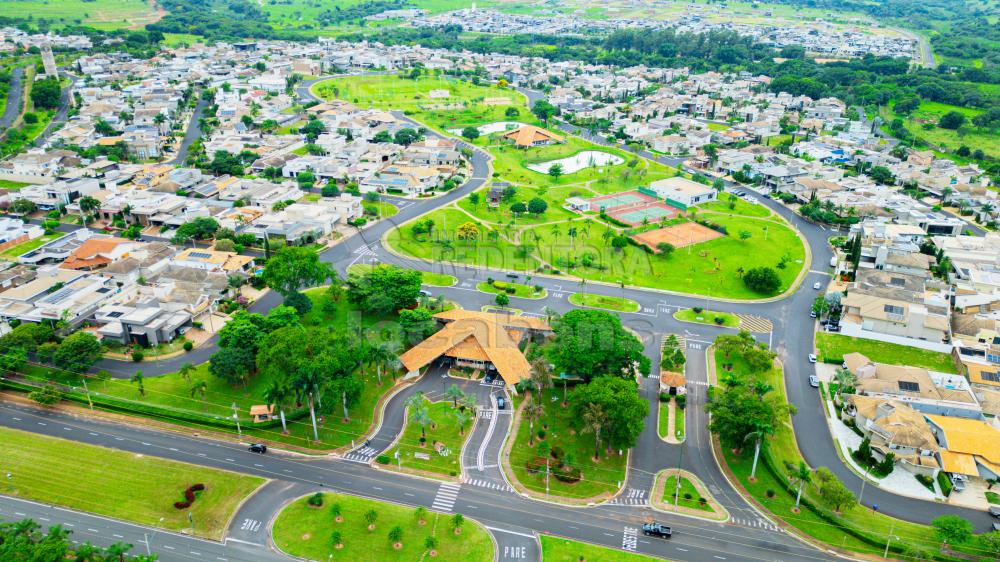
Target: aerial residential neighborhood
(511, 280)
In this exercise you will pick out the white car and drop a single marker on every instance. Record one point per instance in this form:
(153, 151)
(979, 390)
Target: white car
(812, 357)
(814, 381)
(817, 285)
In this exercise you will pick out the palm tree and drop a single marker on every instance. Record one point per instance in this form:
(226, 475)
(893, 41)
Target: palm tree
(186, 370)
(422, 417)
(845, 379)
(454, 393)
(137, 378)
(802, 475)
(541, 376)
(199, 387)
(532, 412)
(594, 419)
(277, 393)
(370, 517)
(396, 535)
(469, 403)
(761, 432)
(381, 354)
(462, 418)
(310, 383)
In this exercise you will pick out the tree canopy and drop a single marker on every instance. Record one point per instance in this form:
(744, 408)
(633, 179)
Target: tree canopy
(292, 268)
(619, 399)
(591, 343)
(384, 288)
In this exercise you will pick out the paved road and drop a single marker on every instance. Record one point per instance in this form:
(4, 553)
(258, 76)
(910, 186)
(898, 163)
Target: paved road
(15, 96)
(192, 133)
(506, 513)
(62, 114)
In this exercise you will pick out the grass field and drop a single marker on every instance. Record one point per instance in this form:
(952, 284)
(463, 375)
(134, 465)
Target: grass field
(739, 207)
(663, 420)
(520, 290)
(122, 485)
(729, 320)
(687, 491)
(12, 185)
(599, 477)
(103, 14)
(947, 139)
(444, 442)
(30, 245)
(832, 348)
(556, 549)
(679, 423)
(616, 304)
(306, 532)
(501, 214)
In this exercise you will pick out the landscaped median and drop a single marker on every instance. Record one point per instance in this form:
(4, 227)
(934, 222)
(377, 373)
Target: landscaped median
(432, 440)
(699, 315)
(616, 304)
(690, 498)
(341, 527)
(128, 486)
(512, 289)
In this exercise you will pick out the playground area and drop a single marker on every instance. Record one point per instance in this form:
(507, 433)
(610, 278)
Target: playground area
(678, 235)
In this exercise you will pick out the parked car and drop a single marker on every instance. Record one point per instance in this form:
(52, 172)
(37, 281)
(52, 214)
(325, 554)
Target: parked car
(656, 530)
(812, 314)
(257, 448)
(812, 357)
(425, 293)
(814, 381)
(817, 285)
(995, 511)
(511, 275)
(833, 327)
(501, 403)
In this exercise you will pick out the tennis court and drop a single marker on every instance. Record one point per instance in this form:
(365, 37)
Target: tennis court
(616, 200)
(678, 235)
(652, 213)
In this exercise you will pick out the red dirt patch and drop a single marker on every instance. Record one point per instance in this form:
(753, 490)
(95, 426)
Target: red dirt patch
(679, 235)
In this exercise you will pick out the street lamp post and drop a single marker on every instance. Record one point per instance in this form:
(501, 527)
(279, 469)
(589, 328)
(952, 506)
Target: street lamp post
(148, 538)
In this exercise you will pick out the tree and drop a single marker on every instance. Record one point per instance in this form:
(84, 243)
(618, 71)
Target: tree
(45, 396)
(396, 535)
(952, 529)
(471, 133)
(593, 418)
(417, 324)
(201, 228)
(370, 517)
(276, 394)
(244, 331)
(665, 249)
(802, 476)
(88, 204)
(502, 300)
(555, 171)
(467, 231)
(23, 207)
(78, 352)
(384, 288)
(532, 412)
(407, 136)
(462, 418)
(537, 206)
(46, 93)
(882, 175)
(622, 409)
(739, 411)
(761, 432)
(906, 106)
(951, 120)
(137, 379)
(619, 242)
(457, 521)
(430, 543)
(833, 492)
(846, 380)
(762, 280)
(519, 208)
(544, 110)
(291, 268)
(745, 235)
(590, 343)
(232, 364)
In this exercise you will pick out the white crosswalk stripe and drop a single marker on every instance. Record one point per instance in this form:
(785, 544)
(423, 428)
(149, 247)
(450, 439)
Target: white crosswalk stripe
(489, 485)
(632, 496)
(754, 522)
(630, 538)
(446, 496)
(363, 455)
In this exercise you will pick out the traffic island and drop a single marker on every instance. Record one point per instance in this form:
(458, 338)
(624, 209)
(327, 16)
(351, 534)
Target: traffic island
(432, 440)
(326, 526)
(691, 498)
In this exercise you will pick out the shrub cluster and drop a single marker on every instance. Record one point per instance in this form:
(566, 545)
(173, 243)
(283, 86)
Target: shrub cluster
(189, 496)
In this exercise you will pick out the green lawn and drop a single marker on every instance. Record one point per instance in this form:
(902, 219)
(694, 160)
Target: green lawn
(663, 420)
(599, 477)
(687, 491)
(443, 246)
(122, 485)
(444, 441)
(832, 348)
(718, 127)
(739, 207)
(520, 291)
(729, 319)
(30, 245)
(679, 423)
(501, 214)
(12, 185)
(557, 549)
(617, 304)
(993, 498)
(383, 209)
(306, 532)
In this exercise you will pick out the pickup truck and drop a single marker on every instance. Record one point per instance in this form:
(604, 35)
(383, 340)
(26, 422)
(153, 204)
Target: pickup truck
(656, 530)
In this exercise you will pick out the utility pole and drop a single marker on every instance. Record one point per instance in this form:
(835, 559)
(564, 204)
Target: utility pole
(191, 520)
(677, 479)
(237, 418)
(546, 476)
(864, 481)
(87, 390)
(888, 539)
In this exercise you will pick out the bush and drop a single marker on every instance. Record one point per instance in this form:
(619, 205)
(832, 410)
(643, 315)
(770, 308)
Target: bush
(557, 452)
(315, 500)
(568, 474)
(769, 493)
(720, 320)
(540, 433)
(688, 496)
(138, 356)
(697, 309)
(945, 483)
(927, 481)
(535, 465)
(681, 401)
(664, 397)
(188, 346)
(382, 459)
(189, 496)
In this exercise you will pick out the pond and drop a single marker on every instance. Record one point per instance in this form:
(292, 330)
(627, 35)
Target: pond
(579, 161)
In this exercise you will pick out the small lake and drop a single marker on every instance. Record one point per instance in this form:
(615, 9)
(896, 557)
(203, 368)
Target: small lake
(577, 162)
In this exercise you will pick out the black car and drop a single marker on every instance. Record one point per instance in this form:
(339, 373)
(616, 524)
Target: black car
(501, 403)
(258, 448)
(512, 275)
(656, 530)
